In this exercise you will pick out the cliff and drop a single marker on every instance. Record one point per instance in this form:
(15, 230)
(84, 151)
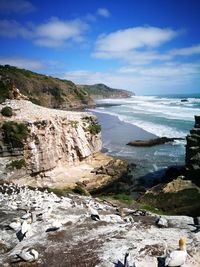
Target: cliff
(103, 91)
(48, 147)
(193, 152)
(42, 89)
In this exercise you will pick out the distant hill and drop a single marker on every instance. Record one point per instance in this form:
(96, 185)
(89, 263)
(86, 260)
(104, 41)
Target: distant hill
(103, 91)
(42, 89)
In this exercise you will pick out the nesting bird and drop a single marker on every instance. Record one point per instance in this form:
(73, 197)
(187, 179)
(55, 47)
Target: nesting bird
(93, 213)
(15, 225)
(177, 257)
(26, 254)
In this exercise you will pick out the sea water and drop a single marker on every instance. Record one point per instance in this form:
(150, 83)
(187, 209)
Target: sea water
(170, 116)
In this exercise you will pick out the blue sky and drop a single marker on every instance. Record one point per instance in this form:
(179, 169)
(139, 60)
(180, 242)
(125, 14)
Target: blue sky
(146, 46)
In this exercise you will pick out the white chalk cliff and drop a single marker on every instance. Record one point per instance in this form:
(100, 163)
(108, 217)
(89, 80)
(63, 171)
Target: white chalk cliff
(54, 137)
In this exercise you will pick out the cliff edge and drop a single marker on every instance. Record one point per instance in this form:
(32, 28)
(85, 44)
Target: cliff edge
(54, 148)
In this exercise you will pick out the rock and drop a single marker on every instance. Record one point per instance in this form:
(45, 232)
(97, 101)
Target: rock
(162, 222)
(184, 100)
(153, 142)
(192, 158)
(82, 240)
(54, 137)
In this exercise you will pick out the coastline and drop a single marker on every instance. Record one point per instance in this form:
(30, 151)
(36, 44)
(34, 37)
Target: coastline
(115, 129)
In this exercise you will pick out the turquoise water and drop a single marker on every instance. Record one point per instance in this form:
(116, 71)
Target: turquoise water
(160, 115)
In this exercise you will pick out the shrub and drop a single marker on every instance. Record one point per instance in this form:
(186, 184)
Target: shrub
(94, 128)
(7, 112)
(16, 164)
(14, 133)
(80, 190)
(123, 198)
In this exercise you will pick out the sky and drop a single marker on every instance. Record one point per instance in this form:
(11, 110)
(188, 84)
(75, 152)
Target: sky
(149, 47)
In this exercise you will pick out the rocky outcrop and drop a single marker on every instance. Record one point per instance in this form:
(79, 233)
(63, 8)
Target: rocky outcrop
(153, 142)
(192, 159)
(53, 137)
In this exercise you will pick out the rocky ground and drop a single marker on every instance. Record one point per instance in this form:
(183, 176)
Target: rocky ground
(81, 241)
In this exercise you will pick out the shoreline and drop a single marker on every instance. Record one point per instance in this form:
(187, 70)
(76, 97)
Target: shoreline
(113, 127)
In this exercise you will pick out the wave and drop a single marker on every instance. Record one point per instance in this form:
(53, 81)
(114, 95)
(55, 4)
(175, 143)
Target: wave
(156, 129)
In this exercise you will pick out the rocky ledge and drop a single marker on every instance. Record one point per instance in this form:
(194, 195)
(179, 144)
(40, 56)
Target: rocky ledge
(48, 147)
(86, 232)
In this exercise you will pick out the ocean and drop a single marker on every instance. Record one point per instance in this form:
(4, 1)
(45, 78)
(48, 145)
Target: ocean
(144, 117)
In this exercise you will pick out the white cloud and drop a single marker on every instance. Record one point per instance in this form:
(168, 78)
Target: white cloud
(187, 51)
(103, 12)
(142, 80)
(15, 6)
(53, 33)
(133, 38)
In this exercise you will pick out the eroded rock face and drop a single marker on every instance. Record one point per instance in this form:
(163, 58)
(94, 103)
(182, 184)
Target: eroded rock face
(193, 150)
(54, 137)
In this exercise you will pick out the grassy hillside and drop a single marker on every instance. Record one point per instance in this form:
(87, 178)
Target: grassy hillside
(42, 89)
(102, 91)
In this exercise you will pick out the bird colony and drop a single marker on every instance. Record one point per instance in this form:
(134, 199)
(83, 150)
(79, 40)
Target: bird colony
(39, 228)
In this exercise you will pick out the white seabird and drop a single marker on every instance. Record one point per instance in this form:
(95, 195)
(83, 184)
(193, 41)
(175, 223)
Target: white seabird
(93, 213)
(177, 257)
(15, 225)
(28, 255)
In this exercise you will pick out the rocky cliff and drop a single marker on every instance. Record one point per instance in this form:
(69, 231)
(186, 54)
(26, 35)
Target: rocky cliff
(193, 152)
(43, 90)
(54, 148)
(51, 137)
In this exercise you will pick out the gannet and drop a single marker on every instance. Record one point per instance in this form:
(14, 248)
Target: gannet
(28, 255)
(15, 225)
(25, 228)
(93, 213)
(126, 264)
(177, 257)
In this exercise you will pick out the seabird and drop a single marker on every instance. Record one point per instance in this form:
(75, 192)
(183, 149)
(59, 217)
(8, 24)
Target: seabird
(177, 257)
(27, 254)
(93, 213)
(25, 227)
(15, 225)
(126, 264)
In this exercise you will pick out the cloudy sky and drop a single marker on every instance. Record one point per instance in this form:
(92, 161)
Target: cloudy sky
(146, 46)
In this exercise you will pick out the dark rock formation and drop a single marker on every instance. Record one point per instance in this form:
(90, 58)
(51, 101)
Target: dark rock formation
(192, 159)
(153, 142)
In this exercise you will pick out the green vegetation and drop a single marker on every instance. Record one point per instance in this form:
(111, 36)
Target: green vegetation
(80, 190)
(65, 191)
(16, 164)
(14, 133)
(105, 91)
(7, 112)
(94, 128)
(152, 209)
(42, 89)
(60, 192)
(186, 202)
(123, 198)
(5, 88)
